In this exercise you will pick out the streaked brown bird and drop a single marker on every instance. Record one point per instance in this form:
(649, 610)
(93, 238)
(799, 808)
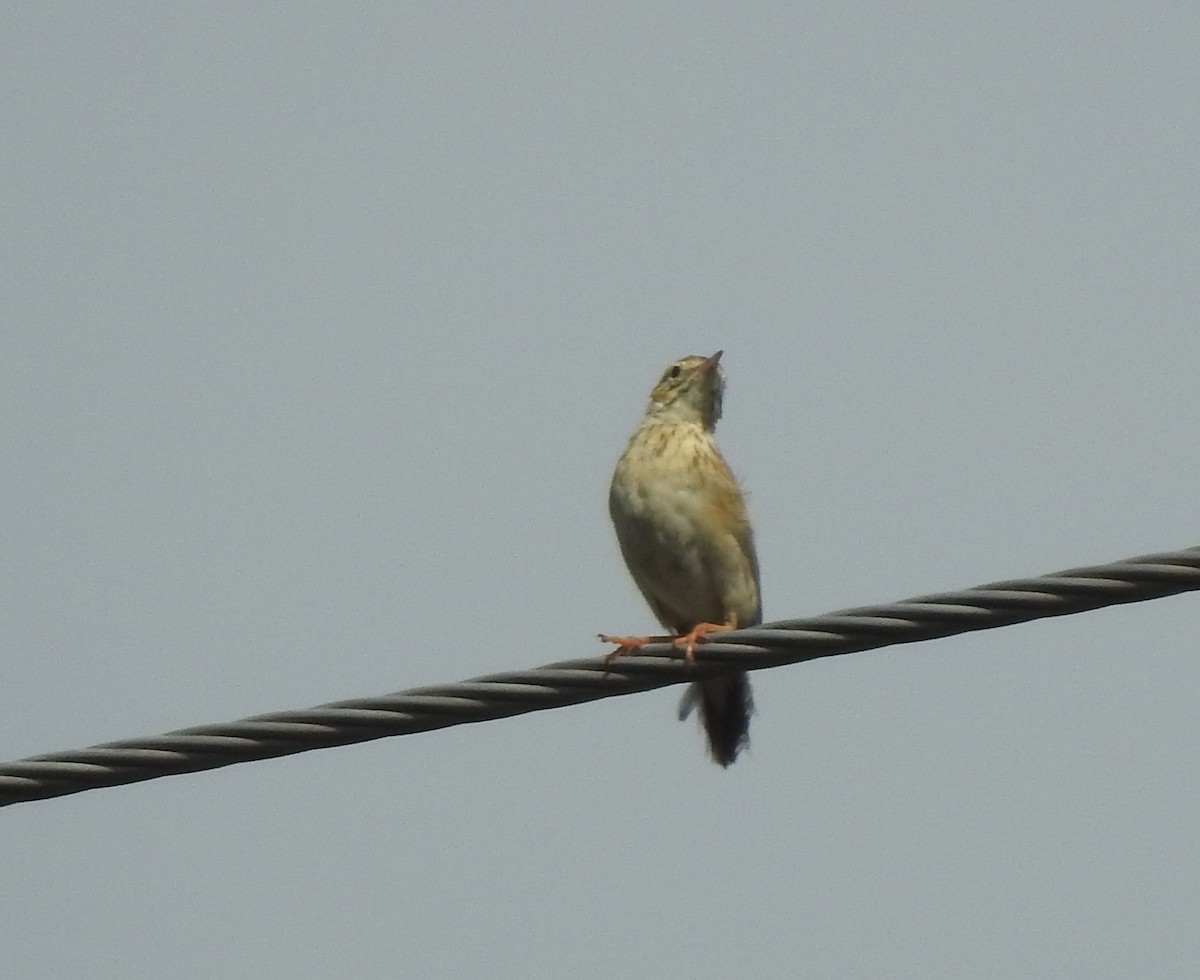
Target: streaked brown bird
(681, 522)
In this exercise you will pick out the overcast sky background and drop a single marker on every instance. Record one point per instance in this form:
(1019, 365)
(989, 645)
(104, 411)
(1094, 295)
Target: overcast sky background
(323, 327)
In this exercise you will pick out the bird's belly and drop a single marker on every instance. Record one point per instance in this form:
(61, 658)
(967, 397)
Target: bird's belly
(668, 548)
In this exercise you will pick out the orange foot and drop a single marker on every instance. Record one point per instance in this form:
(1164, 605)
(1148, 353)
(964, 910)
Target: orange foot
(699, 632)
(630, 646)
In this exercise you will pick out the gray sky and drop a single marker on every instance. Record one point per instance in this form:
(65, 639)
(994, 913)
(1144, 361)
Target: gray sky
(322, 330)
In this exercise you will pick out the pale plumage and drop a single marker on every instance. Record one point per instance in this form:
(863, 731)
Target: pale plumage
(682, 526)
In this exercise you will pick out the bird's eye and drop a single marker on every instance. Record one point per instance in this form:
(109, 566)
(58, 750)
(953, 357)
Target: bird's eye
(674, 373)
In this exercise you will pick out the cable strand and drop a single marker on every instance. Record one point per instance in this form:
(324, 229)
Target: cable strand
(572, 682)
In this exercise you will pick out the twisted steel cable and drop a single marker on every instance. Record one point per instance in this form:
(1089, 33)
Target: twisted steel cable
(575, 681)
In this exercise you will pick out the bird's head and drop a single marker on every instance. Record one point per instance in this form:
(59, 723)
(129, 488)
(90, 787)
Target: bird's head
(690, 390)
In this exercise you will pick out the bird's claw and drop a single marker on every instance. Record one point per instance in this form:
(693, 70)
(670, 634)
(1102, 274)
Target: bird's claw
(699, 634)
(627, 646)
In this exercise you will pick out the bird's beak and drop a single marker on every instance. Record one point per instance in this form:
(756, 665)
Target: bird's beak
(711, 363)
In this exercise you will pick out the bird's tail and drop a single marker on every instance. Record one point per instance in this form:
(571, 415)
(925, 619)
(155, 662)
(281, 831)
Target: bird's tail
(726, 705)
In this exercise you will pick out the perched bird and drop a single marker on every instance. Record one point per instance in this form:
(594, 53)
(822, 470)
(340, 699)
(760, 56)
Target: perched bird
(682, 526)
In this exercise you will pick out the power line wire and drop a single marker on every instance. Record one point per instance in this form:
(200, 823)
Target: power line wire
(575, 681)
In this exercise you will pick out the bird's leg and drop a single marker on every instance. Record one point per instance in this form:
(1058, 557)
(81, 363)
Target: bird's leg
(630, 646)
(699, 632)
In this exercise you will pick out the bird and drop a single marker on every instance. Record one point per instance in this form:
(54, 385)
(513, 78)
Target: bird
(684, 532)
